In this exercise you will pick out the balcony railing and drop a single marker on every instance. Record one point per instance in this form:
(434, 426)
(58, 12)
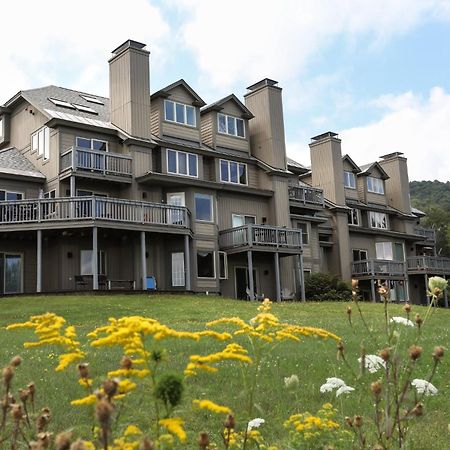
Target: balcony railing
(106, 163)
(260, 236)
(427, 233)
(429, 264)
(378, 267)
(92, 208)
(306, 195)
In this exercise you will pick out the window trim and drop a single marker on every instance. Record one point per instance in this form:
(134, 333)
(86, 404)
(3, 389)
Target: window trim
(211, 207)
(372, 189)
(214, 263)
(391, 250)
(307, 232)
(171, 268)
(358, 217)
(185, 106)
(233, 215)
(99, 272)
(349, 175)
(374, 214)
(92, 144)
(177, 152)
(225, 265)
(229, 162)
(226, 133)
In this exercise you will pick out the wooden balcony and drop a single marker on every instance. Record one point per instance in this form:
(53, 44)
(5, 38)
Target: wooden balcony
(306, 195)
(378, 268)
(81, 211)
(428, 234)
(262, 238)
(97, 162)
(433, 265)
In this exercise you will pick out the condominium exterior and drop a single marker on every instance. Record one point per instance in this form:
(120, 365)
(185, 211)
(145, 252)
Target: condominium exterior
(146, 188)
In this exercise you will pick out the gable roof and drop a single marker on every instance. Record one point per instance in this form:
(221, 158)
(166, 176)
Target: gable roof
(165, 92)
(367, 169)
(352, 163)
(12, 162)
(218, 106)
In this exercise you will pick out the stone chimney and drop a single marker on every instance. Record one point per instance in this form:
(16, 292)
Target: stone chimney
(129, 89)
(327, 171)
(397, 185)
(267, 127)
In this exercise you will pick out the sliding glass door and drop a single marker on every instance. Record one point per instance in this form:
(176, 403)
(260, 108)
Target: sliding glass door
(10, 273)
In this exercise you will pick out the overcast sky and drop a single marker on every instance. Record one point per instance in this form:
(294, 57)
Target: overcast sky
(375, 71)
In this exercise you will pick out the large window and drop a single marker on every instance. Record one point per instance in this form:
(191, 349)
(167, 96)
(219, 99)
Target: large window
(204, 207)
(378, 220)
(233, 172)
(230, 125)
(91, 144)
(179, 113)
(40, 142)
(353, 217)
(359, 255)
(375, 185)
(349, 180)
(9, 195)
(384, 250)
(178, 274)
(240, 220)
(86, 262)
(304, 229)
(182, 163)
(206, 267)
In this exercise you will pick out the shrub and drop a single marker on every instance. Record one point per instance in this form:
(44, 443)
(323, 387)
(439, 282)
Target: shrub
(323, 286)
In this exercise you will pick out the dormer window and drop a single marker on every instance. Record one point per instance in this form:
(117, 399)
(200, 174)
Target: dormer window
(179, 113)
(230, 125)
(375, 185)
(349, 180)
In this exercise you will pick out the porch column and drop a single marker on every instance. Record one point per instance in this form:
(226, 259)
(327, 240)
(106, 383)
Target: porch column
(426, 289)
(187, 263)
(372, 290)
(95, 258)
(72, 186)
(302, 277)
(277, 275)
(143, 261)
(39, 261)
(251, 285)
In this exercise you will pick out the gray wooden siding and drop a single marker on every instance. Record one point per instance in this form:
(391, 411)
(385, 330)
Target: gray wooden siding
(156, 117)
(351, 193)
(29, 190)
(376, 198)
(235, 143)
(208, 128)
(180, 131)
(142, 161)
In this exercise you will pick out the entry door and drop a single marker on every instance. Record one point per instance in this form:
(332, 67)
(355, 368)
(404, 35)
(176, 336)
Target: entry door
(10, 273)
(175, 199)
(399, 254)
(241, 280)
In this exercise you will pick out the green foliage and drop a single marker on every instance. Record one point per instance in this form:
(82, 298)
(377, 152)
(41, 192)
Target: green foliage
(323, 286)
(169, 390)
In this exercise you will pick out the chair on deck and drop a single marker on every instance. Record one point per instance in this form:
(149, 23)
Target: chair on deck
(80, 282)
(287, 294)
(151, 283)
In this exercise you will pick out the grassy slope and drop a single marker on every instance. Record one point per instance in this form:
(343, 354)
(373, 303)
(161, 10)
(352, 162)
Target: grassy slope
(312, 360)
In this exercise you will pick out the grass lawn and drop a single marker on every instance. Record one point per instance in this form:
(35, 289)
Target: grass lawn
(312, 360)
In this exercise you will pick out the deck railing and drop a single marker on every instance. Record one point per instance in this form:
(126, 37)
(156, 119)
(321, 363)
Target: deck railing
(306, 195)
(107, 163)
(260, 235)
(429, 264)
(378, 267)
(428, 233)
(92, 208)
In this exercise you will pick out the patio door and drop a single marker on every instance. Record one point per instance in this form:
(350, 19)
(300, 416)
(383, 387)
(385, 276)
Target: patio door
(11, 273)
(175, 216)
(241, 282)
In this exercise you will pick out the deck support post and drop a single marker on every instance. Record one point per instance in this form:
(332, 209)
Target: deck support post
(143, 261)
(95, 258)
(426, 289)
(277, 275)
(39, 261)
(446, 297)
(372, 290)
(302, 277)
(187, 263)
(251, 285)
(72, 195)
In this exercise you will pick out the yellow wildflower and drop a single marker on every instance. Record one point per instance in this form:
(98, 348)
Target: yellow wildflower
(175, 426)
(211, 406)
(140, 373)
(85, 382)
(132, 430)
(88, 400)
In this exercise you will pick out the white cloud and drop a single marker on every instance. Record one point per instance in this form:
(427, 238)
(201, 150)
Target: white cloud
(249, 40)
(54, 42)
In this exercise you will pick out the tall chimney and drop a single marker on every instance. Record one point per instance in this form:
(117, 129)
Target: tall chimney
(129, 89)
(267, 127)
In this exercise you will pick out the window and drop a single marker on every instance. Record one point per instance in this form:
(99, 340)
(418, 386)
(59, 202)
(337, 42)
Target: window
(90, 99)
(179, 113)
(375, 185)
(230, 125)
(182, 163)
(1, 128)
(178, 273)
(349, 180)
(353, 217)
(223, 266)
(304, 229)
(86, 262)
(50, 194)
(9, 195)
(240, 220)
(359, 255)
(203, 207)
(40, 142)
(206, 267)
(378, 220)
(84, 108)
(384, 250)
(233, 172)
(61, 103)
(92, 144)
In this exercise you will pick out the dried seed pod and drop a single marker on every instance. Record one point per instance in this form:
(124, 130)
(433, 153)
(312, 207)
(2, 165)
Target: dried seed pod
(83, 370)
(63, 440)
(16, 361)
(103, 412)
(414, 352)
(438, 353)
(230, 422)
(146, 444)
(126, 363)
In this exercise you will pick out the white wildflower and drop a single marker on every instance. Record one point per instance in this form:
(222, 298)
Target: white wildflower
(424, 387)
(255, 423)
(335, 383)
(344, 390)
(373, 363)
(291, 382)
(402, 320)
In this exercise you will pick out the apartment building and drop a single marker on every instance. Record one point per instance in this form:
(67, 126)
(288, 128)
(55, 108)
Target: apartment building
(146, 188)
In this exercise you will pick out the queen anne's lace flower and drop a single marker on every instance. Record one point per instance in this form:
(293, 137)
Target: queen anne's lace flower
(402, 320)
(291, 382)
(373, 363)
(336, 383)
(255, 423)
(424, 387)
(344, 390)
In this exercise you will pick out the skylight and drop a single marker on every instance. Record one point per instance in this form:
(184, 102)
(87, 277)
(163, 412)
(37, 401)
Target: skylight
(62, 103)
(84, 108)
(91, 99)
